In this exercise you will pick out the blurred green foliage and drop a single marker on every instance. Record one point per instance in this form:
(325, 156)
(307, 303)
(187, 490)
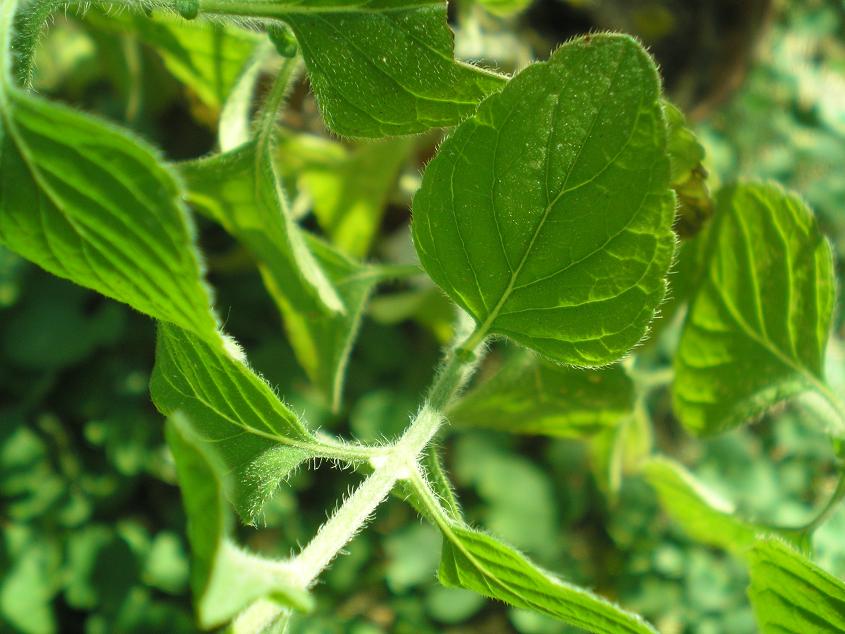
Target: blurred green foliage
(93, 535)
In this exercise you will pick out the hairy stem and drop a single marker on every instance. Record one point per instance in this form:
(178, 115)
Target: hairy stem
(398, 464)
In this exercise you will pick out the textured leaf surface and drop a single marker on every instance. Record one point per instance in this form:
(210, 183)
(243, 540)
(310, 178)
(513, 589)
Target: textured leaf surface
(257, 436)
(704, 515)
(531, 396)
(224, 578)
(757, 327)
(321, 339)
(208, 57)
(480, 563)
(548, 214)
(383, 67)
(89, 203)
(791, 595)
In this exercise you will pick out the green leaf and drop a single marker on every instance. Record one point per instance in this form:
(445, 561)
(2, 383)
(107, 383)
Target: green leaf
(702, 513)
(476, 561)
(758, 324)
(790, 594)
(208, 57)
(547, 216)
(92, 204)
(531, 396)
(480, 563)
(240, 190)
(322, 339)
(224, 578)
(383, 67)
(257, 436)
(323, 342)
(349, 191)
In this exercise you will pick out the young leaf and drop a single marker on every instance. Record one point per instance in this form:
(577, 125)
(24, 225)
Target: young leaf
(90, 203)
(224, 578)
(531, 396)
(480, 563)
(790, 593)
(208, 57)
(383, 67)
(704, 515)
(223, 187)
(240, 190)
(757, 326)
(547, 216)
(257, 436)
(475, 561)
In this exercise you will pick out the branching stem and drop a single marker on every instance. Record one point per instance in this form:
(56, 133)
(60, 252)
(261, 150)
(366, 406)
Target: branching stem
(399, 463)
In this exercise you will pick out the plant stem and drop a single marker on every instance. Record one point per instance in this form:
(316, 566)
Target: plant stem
(396, 465)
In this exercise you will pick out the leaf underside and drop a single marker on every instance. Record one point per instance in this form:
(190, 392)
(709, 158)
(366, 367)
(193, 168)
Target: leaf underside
(792, 595)
(480, 563)
(758, 324)
(88, 202)
(258, 437)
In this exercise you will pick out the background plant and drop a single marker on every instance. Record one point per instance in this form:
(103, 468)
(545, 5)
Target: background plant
(755, 333)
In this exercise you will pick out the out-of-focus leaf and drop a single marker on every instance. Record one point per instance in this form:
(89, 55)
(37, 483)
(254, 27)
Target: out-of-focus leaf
(208, 57)
(757, 327)
(350, 191)
(531, 396)
(225, 187)
(688, 176)
(704, 515)
(791, 594)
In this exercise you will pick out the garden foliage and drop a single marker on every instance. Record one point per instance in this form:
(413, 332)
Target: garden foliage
(551, 216)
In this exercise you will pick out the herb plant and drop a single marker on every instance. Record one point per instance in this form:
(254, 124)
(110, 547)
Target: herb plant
(563, 203)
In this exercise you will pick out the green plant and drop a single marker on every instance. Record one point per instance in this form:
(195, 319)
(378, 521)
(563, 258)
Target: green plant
(546, 216)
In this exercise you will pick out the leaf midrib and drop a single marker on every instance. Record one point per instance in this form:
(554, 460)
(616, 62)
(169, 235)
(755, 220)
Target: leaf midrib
(485, 327)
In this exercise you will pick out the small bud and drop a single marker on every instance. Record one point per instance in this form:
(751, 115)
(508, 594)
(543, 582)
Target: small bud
(188, 9)
(283, 39)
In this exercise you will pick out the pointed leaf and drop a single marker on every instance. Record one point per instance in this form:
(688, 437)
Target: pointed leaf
(90, 203)
(256, 435)
(547, 216)
(531, 396)
(790, 594)
(321, 339)
(480, 563)
(240, 190)
(758, 324)
(224, 578)
(703, 514)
